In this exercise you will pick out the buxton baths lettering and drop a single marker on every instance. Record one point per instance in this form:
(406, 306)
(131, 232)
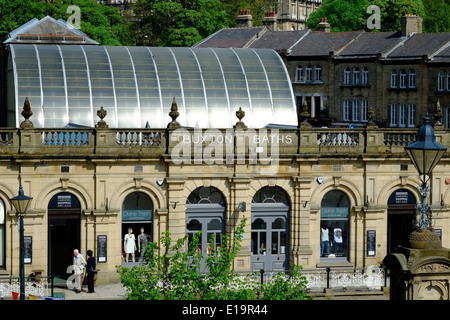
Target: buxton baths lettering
(212, 146)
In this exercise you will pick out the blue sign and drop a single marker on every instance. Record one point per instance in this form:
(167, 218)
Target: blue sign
(137, 215)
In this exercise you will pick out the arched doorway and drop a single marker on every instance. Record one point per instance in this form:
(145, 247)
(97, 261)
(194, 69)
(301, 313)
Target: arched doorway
(205, 212)
(64, 213)
(334, 226)
(270, 230)
(401, 215)
(137, 215)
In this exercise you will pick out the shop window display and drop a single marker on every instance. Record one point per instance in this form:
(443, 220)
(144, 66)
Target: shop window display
(334, 227)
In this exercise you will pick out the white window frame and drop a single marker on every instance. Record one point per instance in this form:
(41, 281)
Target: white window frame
(346, 110)
(299, 76)
(346, 76)
(394, 117)
(318, 73)
(365, 76)
(394, 79)
(411, 78)
(448, 81)
(402, 82)
(308, 73)
(364, 109)
(440, 83)
(402, 115)
(411, 115)
(356, 74)
(355, 110)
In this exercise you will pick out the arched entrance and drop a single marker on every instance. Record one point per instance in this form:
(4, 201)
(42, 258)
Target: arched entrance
(137, 215)
(401, 214)
(270, 230)
(205, 212)
(64, 212)
(334, 226)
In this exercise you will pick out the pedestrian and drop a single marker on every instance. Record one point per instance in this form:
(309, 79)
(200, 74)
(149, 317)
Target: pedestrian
(90, 271)
(78, 268)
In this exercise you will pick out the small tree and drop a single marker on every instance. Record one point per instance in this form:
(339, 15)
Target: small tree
(171, 272)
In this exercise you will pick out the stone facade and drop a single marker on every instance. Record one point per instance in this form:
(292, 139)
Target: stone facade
(364, 164)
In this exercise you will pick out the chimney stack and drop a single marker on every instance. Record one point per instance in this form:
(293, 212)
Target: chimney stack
(323, 26)
(411, 24)
(244, 19)
(270, 20)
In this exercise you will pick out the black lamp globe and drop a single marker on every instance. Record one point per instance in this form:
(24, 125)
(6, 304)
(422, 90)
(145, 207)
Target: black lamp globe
(425, 153)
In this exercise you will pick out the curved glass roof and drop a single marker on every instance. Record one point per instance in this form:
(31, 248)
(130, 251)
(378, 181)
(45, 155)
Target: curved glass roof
(136, 85)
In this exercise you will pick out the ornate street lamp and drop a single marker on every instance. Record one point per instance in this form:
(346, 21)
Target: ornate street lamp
(425, 154)
(21, 203)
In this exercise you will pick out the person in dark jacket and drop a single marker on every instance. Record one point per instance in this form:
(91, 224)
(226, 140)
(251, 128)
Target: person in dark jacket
(90, 271)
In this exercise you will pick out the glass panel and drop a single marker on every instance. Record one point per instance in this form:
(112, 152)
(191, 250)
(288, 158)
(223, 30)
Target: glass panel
(194, 225)
(275, 243)
(205, 195)
(279, 223)
(271, 195)
(259, 224)
(214, 224)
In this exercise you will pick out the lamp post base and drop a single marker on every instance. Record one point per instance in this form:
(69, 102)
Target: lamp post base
(424, 239)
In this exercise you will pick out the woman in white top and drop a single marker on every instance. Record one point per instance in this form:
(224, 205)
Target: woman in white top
(129, 244)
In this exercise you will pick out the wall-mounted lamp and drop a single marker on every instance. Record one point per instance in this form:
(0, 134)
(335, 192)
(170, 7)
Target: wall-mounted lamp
(106, 204)
(174, 204)
(242, 206)
(442, 201)
(304, 203)
(367, 203)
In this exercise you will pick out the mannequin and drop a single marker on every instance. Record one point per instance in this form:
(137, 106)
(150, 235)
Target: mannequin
(142, 244)
(338, 240)
(129, 244)
(324, 241)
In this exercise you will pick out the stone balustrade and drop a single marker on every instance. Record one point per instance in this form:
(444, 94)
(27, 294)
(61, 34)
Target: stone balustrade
(243, 142)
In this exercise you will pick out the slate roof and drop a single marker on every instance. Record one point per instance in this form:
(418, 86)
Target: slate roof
(232, 38)
(343, 45)
(420, 45)
(279, 40)
(322, 43)
(372, 44)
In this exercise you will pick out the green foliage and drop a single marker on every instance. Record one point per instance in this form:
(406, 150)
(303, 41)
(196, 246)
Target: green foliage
(437, 18)
(257, 7)
(351, 15)
(100, 22)
(172, 273)
(177, 22)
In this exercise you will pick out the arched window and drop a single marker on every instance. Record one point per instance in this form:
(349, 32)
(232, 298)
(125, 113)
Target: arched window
(440, 81)
(411, 78)
(205, 212)
(137, 214)
(346, 76)
(402, 78)
(365, 76)
(270, 229)
(394, 79)
(448, 81)
(2, 234)
(299, 77)
(308, 74)
(318, 73)
(334, 225)
(356, 76)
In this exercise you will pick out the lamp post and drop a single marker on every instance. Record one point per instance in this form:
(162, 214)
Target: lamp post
(425, 154)
(21, 203)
